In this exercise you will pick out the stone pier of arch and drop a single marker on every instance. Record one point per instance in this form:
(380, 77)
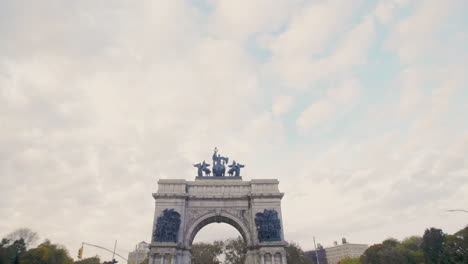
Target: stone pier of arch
(202, 202)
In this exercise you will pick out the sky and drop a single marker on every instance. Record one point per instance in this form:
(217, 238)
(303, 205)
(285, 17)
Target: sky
(357, 107)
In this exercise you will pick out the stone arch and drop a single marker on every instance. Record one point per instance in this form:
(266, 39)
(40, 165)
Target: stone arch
(202, 202)
(217, 218)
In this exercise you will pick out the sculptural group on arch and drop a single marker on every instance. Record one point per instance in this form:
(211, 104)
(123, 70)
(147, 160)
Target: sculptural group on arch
(167, 226)
(219, 166)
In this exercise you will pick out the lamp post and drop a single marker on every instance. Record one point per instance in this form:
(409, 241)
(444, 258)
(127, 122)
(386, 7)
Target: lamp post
(316, 252)
(457, 210)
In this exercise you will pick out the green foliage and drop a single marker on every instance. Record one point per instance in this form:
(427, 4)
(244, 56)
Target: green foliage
(46, 253)
(456, 247)
(412, 243)
(235, 251)
(296, 255)
(383, 254)
(207, 253)
(350, 261)
(433, 245)
(390, 242)
(92, 260)
(391, 251)
(10, 252)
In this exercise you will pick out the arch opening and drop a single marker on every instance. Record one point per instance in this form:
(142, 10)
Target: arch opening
(216, 232)
(217, 218)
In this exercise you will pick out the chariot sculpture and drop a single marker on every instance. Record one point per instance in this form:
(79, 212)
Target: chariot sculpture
(219, 167)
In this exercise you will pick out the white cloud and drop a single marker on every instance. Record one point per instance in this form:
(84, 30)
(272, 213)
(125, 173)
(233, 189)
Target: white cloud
(265, 129)
(353, 49)
(412, 81)
(314, 114)
(312, 28)
(282, 104)
(385, 11)
(240, 19)
(321, 45)
(346, 92)
(415, 36)
(338, 100)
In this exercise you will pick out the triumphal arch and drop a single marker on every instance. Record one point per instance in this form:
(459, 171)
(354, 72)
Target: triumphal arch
(184, 207)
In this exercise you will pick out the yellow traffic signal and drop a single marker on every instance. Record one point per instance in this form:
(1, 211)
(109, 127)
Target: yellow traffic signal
(80, 253)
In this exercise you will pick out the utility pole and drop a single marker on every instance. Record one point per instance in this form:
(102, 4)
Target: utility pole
(113, 253)
(136, 254)
(316, 252)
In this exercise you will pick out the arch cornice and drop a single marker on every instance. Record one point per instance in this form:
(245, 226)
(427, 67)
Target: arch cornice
(217, 217)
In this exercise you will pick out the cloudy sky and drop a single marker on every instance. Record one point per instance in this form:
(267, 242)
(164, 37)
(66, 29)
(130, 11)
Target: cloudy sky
(357, 107)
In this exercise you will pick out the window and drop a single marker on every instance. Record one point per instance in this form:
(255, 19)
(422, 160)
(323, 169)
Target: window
(278, 259)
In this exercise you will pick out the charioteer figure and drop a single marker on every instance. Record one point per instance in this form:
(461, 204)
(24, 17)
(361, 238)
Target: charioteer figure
(235, 169)
(203, 167)
(219, 168)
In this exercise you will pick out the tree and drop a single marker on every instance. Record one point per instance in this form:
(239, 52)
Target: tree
(235, 251)
(296, 255)
(411, 248)
(372, 254)
(46, 253)
(207, 253)
(29, 237)
(10, 252)
(350, 261)
(391, 251)
(386, 253)
(433, 245)
(390, 242)
(4, 252)
(412, 243)
(456, 247)
(91, 260)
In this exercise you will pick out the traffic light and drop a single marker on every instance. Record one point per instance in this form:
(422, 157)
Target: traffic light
(80, 253)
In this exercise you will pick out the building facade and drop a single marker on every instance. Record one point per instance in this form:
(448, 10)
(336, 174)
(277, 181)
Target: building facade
(318, 256)
(336, 253)
(139, 254)
(346, 250)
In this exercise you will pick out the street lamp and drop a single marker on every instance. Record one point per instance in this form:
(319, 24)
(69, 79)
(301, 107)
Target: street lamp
(457, 210)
